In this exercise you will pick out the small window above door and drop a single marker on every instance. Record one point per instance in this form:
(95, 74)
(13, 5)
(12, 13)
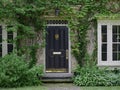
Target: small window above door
(57, 22)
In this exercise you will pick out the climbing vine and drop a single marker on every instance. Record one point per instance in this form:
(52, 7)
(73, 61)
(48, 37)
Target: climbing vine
(27, 18)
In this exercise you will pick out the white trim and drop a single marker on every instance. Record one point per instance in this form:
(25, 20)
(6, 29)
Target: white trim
(99, 43)
(4, 43)
(109, 24)
(69, 43)
(57, 24)
(44, 59)
(109, 43)
(14, 36)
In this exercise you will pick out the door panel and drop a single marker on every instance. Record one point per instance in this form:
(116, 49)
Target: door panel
(56, 47)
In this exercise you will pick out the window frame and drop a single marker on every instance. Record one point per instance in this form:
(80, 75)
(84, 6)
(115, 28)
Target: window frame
(4, 39)
(1, 41)
(109, 24)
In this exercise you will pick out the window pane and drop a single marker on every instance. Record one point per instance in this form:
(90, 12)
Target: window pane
(10, 48)
(116, 33)
(0, 29)
(104, 29)
(104, 52)
(0, 47)
(0, 50)
(10, 36)
(104, 38)
(119, 47)
(114, 29)
(114, 38)
(0, 38)
(104, 47)
(104, 56)
(10, 32)
(114, 56)
(0, 34)
(0, 54)
(119, 29)
(115, 46)
(119, 56)
(118, 38)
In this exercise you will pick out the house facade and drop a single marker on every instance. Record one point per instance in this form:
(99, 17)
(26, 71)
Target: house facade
(56, 55)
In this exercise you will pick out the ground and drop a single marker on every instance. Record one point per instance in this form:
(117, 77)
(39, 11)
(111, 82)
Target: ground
(63, 86)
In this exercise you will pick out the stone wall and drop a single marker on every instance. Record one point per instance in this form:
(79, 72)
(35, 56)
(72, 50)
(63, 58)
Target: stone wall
(91, 40)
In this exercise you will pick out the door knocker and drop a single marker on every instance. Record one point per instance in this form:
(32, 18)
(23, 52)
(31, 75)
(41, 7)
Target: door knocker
(56, 36)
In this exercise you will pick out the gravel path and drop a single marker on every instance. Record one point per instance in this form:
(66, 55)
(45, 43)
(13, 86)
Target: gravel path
(61, 86)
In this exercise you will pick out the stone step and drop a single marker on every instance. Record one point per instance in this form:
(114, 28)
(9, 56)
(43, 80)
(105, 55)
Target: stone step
(57, 77)
(57, 80)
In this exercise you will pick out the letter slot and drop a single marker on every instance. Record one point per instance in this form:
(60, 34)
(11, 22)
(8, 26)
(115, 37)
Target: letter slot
(57, 53)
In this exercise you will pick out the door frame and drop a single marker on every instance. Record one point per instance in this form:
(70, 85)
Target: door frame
(69, 53)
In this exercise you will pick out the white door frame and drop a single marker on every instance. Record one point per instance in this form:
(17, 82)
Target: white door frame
(69, 47)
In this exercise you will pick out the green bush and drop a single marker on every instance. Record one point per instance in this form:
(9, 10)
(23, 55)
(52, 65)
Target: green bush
(33, 75)
(15, 72)
(92, 76)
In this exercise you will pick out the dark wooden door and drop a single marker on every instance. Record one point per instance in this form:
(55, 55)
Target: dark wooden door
(57, 49)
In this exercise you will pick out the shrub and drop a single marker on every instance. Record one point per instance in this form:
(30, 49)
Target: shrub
(14, 72)
(33, 75)
(92, 76)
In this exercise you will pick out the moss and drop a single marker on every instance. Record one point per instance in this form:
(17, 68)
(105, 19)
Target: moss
(108, 17)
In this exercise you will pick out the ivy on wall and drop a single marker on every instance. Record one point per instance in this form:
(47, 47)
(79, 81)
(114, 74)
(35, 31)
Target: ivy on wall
(27, 18)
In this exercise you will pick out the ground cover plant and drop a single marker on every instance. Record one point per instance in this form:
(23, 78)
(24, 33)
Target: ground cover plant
(92, 76)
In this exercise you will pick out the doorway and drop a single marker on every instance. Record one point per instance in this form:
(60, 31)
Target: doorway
(57, 49)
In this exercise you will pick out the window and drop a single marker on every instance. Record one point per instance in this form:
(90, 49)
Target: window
(108, 42)
(104, 42)
(9, 41)
(6, 41)
(0, 41)
(116, 42)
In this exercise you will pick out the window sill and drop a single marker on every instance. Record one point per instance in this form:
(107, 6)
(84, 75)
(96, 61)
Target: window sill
(109, 66)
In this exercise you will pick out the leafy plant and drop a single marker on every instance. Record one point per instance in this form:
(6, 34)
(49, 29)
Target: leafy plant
(14, 72)
(92, 76)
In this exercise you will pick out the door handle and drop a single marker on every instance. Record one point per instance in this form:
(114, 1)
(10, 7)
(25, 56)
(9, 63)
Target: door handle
(67, 54)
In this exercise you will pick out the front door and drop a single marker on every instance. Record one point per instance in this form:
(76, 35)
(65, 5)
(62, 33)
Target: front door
(57, 49)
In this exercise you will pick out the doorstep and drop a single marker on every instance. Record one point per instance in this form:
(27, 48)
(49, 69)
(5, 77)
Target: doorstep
(57, 77)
